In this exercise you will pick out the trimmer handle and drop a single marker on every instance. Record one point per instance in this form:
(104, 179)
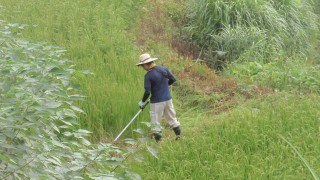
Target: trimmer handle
(145, 104)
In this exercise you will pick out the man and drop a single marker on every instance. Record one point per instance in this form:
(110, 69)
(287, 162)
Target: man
(157, 82)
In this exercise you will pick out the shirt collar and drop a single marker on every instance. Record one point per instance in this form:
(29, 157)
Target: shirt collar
(152, 66)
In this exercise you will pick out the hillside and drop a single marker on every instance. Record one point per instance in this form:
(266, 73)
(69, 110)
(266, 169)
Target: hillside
(252, 114)
(234, 127)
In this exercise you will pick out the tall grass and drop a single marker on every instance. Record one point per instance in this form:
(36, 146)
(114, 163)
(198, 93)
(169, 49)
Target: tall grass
(243, 144)
(95, 35)
(251, 30)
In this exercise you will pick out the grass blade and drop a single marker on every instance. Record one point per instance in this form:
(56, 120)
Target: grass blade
(314, 174)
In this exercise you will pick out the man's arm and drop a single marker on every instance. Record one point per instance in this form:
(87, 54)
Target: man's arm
(147, 87)
(171, 77)
(145, 96)
(147, 92)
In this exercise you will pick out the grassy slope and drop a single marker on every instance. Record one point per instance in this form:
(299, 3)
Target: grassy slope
(95, 34)
(240, 143)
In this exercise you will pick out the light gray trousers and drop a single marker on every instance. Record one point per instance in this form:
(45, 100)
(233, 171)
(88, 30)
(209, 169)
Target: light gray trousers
(166, 109)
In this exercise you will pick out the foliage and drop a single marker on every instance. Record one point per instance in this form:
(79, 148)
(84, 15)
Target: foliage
(250, 30)
(145, 137)
(39, 134)
(293, 75)
(97, 38)
(175, 9)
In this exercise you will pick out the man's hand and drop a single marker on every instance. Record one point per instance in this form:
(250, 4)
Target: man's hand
(142, 104)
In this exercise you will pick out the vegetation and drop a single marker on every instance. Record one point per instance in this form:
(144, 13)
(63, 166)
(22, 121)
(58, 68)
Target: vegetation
(245, 143)
(228, 31)
(292, 75)
(260, 133)
(258, 118)
(96, 37)
(39, 134)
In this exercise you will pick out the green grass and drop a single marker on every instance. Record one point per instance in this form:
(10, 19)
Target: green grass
(243, 144)
(96, 37)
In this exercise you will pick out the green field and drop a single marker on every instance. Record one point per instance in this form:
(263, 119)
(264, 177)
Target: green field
(259, 118)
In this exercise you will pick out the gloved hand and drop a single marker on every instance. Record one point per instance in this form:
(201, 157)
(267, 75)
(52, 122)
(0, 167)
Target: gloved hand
(142, 104)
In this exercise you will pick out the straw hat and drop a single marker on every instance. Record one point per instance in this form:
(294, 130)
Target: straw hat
(145, 58)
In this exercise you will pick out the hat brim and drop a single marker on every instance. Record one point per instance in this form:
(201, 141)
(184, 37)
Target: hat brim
(145, 62)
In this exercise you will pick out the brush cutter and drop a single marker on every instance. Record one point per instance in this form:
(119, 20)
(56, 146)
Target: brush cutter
(130, 122)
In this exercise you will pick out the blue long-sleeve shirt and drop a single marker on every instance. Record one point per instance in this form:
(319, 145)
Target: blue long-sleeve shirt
(157, 82)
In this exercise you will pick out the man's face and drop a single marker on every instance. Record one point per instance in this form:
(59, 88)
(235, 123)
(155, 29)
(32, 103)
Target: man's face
(145, 67)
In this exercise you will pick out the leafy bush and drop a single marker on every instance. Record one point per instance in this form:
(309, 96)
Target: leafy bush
(39, 136)
(250, 30)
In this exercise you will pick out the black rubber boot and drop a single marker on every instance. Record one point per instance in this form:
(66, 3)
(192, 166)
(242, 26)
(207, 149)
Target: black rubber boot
(157, 137)
(177, 131)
